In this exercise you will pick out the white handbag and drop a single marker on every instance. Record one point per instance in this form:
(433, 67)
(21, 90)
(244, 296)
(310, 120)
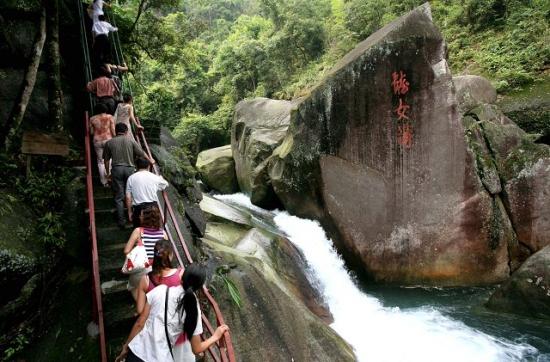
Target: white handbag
(136, 260)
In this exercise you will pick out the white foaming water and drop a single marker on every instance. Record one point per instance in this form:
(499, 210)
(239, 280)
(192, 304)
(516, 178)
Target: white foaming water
(378, 333)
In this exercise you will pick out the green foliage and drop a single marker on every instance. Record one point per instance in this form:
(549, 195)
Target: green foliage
(193, 60)
(17, 345)
(51, 231)
(485, 13)
(508, 45)
(198, 132)
(44, 193)
(364, 17)
(234, 294)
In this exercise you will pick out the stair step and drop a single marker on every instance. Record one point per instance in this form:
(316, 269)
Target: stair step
(106, 236)
(118, 247)
(113, 286)
(110, 265)
(119, 318)
(115, 291)
(105, 217)
(100, 191)
(104, 202)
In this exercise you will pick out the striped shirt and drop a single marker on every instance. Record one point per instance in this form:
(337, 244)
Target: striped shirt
(149, 237)
(122, 150)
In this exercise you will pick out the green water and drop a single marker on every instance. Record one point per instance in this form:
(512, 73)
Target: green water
(466, 305)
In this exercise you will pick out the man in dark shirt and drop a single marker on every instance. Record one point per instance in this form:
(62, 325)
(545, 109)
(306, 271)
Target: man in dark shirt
(120, 151)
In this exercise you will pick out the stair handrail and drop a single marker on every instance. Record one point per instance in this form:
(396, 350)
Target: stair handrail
(96, 285)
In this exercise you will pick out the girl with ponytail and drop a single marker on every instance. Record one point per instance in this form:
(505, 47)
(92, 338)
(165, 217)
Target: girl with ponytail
(163, 272)
(176, 338)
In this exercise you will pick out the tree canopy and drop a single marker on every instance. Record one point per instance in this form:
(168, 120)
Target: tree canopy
(192, 60)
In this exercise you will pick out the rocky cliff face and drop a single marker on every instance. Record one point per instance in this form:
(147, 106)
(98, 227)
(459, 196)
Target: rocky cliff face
(377, 153)
(19, 22)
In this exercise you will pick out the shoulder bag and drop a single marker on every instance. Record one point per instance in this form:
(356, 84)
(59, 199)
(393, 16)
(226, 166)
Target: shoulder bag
(166, 322)
(136, 260)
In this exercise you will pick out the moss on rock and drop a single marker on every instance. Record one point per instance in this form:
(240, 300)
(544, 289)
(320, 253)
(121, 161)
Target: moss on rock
(529, 107)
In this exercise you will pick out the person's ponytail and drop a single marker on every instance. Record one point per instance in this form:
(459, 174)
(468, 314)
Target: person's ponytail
(192, 280)
(191, 312)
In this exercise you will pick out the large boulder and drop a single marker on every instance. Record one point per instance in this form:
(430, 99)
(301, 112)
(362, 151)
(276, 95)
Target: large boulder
(527, 292)
(473, 90)
(377, 152)
(217, 169)
(524, 170)
(259, 125)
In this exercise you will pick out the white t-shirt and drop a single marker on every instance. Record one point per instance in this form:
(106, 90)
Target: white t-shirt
(150, 344)
(97, 7)
(96, 10)
(102, 28)
(143, 187)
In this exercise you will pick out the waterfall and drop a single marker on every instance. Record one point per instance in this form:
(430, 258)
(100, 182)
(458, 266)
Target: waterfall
(379, 333)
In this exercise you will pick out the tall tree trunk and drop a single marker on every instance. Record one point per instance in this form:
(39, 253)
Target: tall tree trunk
(55, 93)
(18, 111)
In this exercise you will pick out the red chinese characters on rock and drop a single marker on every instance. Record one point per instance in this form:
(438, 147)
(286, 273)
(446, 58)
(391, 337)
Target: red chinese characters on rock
(400, 86)
(405, 135)
(402, 110)
(399, 83)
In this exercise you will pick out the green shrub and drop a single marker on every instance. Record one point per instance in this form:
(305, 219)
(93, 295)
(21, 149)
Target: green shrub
(198, 132)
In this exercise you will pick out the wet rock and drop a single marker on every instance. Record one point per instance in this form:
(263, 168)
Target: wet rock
(279, 305)
(259, 125)
(527, 292)
(217, 169)
(473, 90)
(377, 153)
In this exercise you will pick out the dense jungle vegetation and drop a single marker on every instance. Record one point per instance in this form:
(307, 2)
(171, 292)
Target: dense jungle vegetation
(192, 60)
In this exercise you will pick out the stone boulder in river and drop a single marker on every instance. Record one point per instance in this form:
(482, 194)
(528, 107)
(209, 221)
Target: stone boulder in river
(217, 169)
(259, 125)
(527, 292)
(376, 152)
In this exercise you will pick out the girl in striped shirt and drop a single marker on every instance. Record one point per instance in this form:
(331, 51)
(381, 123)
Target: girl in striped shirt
(150, 231)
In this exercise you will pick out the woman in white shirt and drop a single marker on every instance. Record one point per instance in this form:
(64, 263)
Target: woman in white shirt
(152, 340)
(96, 9)
(101, 48)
